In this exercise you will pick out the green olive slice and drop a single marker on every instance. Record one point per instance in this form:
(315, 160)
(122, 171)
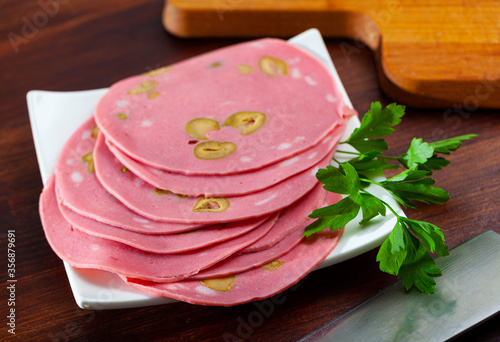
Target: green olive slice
(158, 71)
(223, 284)
(89, 159)
(212, 205)
(199, 127)
(273, 265)
(244, 69)
(95, 132)
(161, 192)
(214, 149)
(246, 122)
(145, 87)
(273, 66)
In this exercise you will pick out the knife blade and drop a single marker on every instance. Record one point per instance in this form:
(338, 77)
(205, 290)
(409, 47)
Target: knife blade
(467, 293)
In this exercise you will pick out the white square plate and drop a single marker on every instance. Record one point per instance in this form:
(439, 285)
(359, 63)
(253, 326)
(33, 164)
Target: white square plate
(55, 116)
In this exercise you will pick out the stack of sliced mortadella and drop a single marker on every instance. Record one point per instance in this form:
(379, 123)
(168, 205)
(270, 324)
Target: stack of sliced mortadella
(195, 181)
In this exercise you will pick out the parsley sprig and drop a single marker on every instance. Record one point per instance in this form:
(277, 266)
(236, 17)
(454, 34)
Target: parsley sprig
(406, 251)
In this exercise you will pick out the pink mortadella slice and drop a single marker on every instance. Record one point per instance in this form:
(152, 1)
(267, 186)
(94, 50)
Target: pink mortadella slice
(291, 218)
(255, 284)
(148, 201)
(79, 189)
(246, 261)
(149, 116)
(227, 185)
(163, 244)
(86, 251)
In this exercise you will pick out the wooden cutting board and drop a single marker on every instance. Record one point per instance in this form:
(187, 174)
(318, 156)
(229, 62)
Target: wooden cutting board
(429, 53)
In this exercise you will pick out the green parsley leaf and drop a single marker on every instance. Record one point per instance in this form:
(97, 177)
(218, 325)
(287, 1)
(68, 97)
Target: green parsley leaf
(342, 180)
(434, 163)
(369, 145)
(430, 235)
(418, 153)
(392, 253)
(409, 175)
(452, 144)
(376, 123)
(369, 162)
(334, 216)
(371, 207)
(418, 267)
(419, 190)
(405, 253)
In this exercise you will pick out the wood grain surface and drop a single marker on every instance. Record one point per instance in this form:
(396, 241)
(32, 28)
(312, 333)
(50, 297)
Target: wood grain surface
(79, 45)
(432, 52)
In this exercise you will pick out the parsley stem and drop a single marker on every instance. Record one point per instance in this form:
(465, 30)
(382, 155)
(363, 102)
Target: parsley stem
(370, 181)
(379, 156)
(389, 157)
(384, 203)
(335, 160)
(349, 152)
(390, 208)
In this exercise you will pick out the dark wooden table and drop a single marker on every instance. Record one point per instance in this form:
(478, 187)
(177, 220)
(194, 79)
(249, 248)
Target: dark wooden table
(77, 45)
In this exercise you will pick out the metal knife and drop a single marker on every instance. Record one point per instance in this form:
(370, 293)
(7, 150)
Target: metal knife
(467, 293)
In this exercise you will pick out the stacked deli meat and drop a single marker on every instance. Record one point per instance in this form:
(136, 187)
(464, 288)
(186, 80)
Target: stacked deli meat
(195, 181)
